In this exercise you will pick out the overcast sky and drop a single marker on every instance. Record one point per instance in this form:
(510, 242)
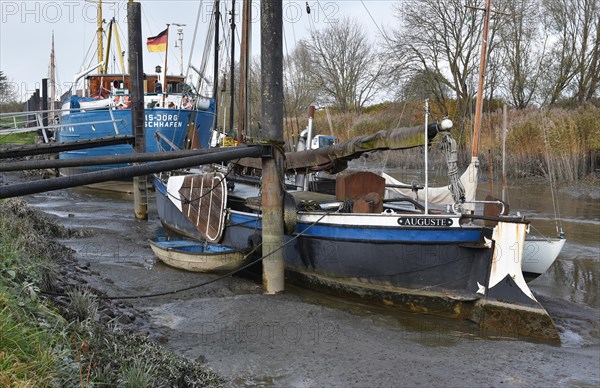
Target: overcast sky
(26, 31)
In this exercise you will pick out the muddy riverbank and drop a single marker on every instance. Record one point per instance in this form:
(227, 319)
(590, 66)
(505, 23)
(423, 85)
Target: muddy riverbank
(302, 338)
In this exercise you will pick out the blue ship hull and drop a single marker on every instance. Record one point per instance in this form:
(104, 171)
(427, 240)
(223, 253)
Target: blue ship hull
(172, 124)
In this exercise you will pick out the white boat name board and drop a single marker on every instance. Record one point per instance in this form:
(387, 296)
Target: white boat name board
(424, 221)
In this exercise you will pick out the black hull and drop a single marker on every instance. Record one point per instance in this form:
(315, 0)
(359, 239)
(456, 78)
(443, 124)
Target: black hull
(414, 267)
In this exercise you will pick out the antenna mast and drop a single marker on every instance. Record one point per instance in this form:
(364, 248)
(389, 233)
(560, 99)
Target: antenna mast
(216, 64)
(180, 41)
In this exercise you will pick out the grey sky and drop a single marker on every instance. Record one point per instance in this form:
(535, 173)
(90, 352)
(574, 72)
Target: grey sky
(26, 29)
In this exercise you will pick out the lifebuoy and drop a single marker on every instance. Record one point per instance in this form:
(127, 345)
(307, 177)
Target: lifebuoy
(187, 104)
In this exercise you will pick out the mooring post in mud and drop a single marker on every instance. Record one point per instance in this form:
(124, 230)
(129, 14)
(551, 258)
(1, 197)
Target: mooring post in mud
(272, 124)
(44, 122)
(45, 102)
(136, 66)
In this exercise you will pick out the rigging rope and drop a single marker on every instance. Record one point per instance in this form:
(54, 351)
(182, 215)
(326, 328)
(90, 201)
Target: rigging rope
(206, 54)
(373, 19)
(187, 71)
(551, 177)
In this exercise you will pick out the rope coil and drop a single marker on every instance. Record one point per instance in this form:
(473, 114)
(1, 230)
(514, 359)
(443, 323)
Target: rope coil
(450, 151)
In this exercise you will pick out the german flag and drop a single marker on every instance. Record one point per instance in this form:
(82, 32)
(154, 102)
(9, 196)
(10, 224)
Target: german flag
(158, 43)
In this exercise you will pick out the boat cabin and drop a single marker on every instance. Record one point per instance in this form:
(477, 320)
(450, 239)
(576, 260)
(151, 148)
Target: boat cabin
(102, 85)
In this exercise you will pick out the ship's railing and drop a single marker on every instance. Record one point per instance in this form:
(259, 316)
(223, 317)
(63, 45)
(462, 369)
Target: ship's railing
(157, 100)
(33, 121)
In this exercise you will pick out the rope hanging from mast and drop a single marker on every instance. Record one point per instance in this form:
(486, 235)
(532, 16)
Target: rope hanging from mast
(450, 151)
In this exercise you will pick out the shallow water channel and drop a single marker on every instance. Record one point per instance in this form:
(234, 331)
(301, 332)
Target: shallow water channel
(303, 338)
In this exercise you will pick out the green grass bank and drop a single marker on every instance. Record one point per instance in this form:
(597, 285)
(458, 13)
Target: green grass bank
(60, 341)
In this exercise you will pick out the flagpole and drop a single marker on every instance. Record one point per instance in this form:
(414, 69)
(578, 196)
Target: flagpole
(164, 72)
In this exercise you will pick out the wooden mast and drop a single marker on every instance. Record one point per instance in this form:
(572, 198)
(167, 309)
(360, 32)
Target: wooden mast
(108, 39)
(244, 66)
(99, 38)
(118, 42)
(479, 105)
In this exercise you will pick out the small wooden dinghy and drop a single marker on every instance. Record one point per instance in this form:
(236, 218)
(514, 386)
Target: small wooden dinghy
(197, 256)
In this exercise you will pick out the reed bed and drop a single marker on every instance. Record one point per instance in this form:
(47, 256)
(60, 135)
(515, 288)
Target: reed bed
(560, 143)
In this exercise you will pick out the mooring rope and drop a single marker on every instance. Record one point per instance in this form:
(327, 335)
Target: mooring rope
(228, 274)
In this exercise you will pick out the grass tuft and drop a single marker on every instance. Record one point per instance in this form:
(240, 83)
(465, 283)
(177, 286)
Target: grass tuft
(83, 305)
(138, 374)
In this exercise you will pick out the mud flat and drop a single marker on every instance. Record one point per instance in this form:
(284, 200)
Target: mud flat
(301, 338)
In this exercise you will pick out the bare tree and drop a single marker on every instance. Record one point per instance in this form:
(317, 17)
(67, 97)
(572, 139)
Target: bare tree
(439, 38)
(523, 45)
(573, 61)
(345, 65)
(588, 73)
(299, 91)
(425, 84)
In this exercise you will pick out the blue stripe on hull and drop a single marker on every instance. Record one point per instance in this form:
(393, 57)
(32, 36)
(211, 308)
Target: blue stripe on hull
(384, 234)
(424, 235)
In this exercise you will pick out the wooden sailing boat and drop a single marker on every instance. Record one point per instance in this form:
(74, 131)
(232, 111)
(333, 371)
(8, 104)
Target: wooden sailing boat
(423, 261)
(539, 252)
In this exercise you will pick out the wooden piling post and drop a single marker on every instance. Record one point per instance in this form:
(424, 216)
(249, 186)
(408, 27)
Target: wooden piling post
(45, 102)
(272, 124)
(504, 132)
(232, 70)
(136, 72)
